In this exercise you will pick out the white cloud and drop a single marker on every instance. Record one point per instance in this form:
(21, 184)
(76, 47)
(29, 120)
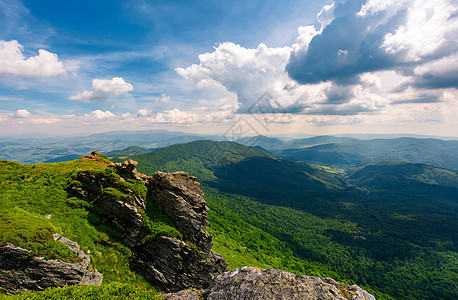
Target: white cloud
(326, 15)
(164, 99)
(13, 62)
(428, 29)
(22, 113)
(330, 87)
(306, 34)
(248, 73)
(98, 114)
(144, 112)
(103, 89)
(175, 116)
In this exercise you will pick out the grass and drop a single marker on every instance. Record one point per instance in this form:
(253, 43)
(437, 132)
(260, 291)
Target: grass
(28, 192)
(114, 290)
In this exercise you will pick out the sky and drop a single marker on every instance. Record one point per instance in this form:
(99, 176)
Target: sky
(229, 67)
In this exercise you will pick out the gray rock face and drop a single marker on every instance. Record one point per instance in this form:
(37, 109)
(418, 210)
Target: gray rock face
(127, 169)
(179, 196)
(173, 265)
(166, 262)
(182, 295)
(253, 283)
(117, 212)
(20, 272)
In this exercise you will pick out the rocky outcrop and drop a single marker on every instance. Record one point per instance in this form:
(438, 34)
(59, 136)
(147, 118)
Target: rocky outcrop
(183, 295)
(167, 262)
(20, 272)
(253, 283)
(179, 196)
(173, 265)
(117, 205)
(127, 169)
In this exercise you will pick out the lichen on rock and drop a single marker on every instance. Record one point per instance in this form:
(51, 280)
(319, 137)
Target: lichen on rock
(254, 283)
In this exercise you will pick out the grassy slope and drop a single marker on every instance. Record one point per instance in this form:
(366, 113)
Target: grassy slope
(28, 192)
(199, 158)
(394, 253)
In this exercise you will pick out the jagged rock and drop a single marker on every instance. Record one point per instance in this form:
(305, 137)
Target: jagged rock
(95, 155)
(182, 295)
(173, 265)
(127, 169)
(253, 283)
(179, 196)
(123, 215)
(166, 262)
(20, 272)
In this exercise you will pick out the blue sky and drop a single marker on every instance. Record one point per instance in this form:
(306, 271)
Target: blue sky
(200, 66)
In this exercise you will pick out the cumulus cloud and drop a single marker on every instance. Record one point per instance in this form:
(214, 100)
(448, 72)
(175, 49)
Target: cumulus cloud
(144, 112)
(441, 73)
(104, 89)
(175, 116)
(377, 35)
(14, 63)
(364, 58)
(98, 114)
(22, 113)
(248, 73)
(164, 99)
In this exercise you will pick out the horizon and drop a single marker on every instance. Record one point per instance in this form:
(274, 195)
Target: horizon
(224, 136)
(292, 68)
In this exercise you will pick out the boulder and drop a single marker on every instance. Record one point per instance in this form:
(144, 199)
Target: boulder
(20, 272)
(127, 169)
(173, 265)
(180, 197)
(253, 283)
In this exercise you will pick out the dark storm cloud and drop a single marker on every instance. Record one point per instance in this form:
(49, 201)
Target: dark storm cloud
(349, 46)
(422, 98)
(437, 81)
(338, 110)
(339, 94)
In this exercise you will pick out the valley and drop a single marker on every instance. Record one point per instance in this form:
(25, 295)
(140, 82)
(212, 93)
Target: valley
(388, 226)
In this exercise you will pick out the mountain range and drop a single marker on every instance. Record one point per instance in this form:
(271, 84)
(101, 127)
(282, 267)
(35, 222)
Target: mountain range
(379, 213)
(390, 213)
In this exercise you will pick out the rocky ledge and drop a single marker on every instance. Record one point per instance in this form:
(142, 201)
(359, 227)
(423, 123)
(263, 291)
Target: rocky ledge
(168, 263)
(20, 272)
(258, 284)
(254, 283)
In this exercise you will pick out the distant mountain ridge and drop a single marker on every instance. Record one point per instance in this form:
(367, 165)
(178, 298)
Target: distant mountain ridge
(57, 149)
(389, 175)
(361, 152)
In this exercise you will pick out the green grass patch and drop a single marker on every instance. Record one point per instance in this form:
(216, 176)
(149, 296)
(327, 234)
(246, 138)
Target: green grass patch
(28, 192)
(114, 290)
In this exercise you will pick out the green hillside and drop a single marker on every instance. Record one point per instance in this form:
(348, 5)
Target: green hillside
(200, 158)
(265, 212)
(30, 192)
(390, 175)
(126, 153)
(360, 152)
(308, 220)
